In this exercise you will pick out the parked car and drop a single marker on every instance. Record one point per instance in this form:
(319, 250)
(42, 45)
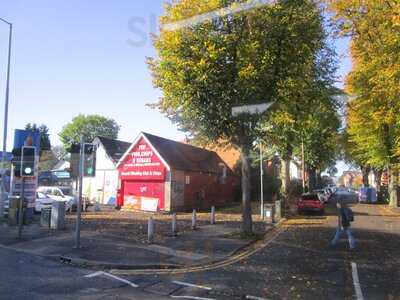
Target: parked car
(367, 195)
(310, 202)
(323, 195)
(64, 193)
(57, 194)
(42, 201)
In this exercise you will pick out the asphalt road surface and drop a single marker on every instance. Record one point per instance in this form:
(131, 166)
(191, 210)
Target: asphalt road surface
(297, 264)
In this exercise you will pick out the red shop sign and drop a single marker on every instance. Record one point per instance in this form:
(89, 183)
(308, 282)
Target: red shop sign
(142, 163)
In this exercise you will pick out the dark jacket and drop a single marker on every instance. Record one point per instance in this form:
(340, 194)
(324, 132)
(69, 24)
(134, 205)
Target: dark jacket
(346, 216)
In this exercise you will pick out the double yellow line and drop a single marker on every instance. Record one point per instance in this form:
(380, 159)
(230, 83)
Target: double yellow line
(270, 237)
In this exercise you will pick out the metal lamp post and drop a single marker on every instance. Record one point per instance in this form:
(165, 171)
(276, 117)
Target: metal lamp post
(261, 180)
(255, 109)
(3, 158)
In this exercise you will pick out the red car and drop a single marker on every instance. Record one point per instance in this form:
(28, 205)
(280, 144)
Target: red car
(310, 202)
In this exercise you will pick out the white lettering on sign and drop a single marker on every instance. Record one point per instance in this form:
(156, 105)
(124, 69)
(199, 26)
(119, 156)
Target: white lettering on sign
(143, 163)
(141, 160)
(141, 173)
(142, 154)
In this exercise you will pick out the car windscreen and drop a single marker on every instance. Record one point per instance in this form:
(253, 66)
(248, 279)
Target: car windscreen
(66, 191)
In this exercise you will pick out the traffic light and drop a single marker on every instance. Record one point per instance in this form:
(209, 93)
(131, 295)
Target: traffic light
(89, 165)
(16, 161)
(28, 161)
(23, 161)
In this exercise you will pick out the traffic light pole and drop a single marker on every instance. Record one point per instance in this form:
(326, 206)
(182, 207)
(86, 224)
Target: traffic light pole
(21, 208)
(79, 202)
(2, 187)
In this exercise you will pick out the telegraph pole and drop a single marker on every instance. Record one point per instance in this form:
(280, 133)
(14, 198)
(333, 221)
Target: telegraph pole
(3, 158)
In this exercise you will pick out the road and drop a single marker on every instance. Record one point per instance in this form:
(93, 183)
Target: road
(297, 264)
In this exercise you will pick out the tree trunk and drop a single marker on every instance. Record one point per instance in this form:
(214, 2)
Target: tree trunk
(393, 184)
(378, 179)
(311, 179)
(285, 175)
(365, 172)
(247, 223)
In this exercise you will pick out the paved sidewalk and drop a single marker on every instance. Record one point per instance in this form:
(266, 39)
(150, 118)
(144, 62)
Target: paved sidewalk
(105, 249)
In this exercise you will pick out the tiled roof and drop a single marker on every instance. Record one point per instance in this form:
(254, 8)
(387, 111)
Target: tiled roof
(114, 148)
(185, 157)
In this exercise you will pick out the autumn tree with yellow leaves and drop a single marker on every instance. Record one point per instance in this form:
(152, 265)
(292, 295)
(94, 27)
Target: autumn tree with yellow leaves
(373, 120)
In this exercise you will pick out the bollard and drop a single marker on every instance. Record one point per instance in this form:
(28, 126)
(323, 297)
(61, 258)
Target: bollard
(212, 220)
(174, 230)
(194, 220)
(150, 230)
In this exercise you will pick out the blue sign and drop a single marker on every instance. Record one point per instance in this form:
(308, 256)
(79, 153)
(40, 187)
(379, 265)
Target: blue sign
(22, 136)
(8, 155)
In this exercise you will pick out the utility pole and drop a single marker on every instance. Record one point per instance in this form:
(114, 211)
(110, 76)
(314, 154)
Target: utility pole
(3, 158)
(261, 181)
(79, 202)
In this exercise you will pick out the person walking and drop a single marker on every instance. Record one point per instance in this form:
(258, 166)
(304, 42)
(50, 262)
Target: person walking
(345, 217)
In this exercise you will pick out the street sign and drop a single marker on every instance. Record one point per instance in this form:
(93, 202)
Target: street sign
(254, 109)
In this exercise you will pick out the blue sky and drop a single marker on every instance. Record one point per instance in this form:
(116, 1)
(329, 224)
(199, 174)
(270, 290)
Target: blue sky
(85, 56)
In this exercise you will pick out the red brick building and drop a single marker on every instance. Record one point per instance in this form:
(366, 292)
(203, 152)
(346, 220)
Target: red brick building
(164, 175)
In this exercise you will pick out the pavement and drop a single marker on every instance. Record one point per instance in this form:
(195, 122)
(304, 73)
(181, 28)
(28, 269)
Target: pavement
(294, 262)
(106, 249)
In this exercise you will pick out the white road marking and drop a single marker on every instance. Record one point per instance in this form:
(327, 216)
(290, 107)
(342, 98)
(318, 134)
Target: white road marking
(356, 281)
(255, 298)
(99, 273)
(192, 285)
(191, 297)
(94, 274)
(219, 13)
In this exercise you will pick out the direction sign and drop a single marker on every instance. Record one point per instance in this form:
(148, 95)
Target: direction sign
(251, 109)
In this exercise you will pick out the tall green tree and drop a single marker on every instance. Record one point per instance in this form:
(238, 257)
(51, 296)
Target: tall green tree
(248, 58)
(47, 160)
(88, 126)
(374, 110)
(45, 143)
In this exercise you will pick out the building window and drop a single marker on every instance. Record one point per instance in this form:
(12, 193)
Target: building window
(187, 179)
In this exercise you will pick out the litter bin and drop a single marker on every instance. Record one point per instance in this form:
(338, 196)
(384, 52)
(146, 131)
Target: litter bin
(269, 213)
(45, 217)
(13, 210)
(57, 220)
